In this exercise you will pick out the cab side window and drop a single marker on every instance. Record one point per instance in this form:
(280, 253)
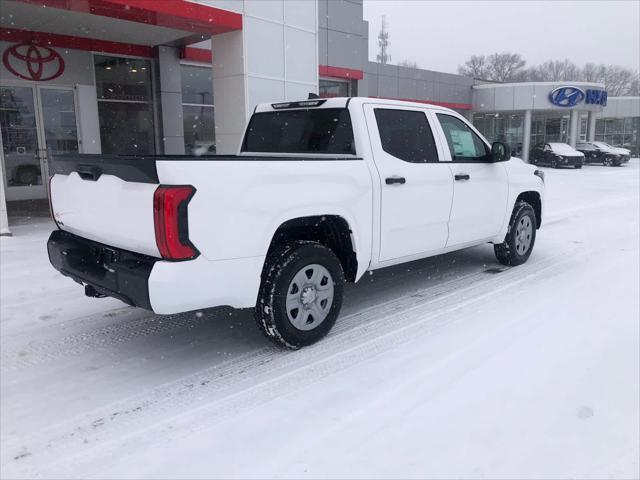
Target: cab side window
(464, 144)
(406, 135)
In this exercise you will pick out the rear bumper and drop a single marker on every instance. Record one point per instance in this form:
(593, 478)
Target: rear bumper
(110, 271)
(147, 282)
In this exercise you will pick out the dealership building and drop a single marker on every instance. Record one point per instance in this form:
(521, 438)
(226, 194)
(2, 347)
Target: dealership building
(179, 76)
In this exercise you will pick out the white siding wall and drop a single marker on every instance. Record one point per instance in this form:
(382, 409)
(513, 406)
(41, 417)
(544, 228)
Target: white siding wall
(279, 49)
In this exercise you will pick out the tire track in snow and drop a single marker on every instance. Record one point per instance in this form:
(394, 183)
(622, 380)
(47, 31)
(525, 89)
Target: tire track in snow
(242, 382)
(146, 324)
(34, 354)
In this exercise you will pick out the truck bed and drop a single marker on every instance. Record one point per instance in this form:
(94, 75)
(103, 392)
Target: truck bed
(239, 200)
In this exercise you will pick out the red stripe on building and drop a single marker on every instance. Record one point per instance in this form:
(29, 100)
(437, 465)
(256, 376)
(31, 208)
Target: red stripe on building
(75, 43)
(454, 106)
(176, 14)
(196, 54)
(340, 72)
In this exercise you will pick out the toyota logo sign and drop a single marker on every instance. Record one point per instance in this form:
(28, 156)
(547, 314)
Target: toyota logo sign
(566, 96)
(33, 62)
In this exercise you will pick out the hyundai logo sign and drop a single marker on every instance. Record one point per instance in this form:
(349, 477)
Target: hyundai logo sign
(570, 96)
(566, 96)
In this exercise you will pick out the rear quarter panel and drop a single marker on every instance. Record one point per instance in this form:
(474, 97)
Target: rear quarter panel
(239, 204)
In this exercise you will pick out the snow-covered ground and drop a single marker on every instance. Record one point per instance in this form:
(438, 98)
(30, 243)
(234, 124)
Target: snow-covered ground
(447, 367)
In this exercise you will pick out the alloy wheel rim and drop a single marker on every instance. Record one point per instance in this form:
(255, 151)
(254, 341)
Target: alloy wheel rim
(524, 235)
(309, 297)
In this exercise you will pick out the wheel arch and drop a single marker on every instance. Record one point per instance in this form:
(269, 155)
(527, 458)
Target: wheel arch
(532, 198)
(332, 231)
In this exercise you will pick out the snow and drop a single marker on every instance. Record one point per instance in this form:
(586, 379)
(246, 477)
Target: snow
(448, 367)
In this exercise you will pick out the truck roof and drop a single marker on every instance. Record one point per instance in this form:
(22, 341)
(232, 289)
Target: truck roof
(343, 102)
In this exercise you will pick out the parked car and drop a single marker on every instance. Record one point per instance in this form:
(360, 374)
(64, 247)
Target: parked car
(600, 152)
(556, 155)
(321, 192)
(624, 152)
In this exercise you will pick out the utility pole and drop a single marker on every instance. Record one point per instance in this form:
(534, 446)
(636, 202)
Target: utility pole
(383, 42)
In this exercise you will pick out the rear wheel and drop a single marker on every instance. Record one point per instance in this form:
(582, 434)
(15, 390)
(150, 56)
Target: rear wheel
(521, 236)
(579, 165)
(554, 163)
(301, 294)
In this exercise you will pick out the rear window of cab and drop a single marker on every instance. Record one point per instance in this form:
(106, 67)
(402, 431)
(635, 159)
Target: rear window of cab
(322, 130)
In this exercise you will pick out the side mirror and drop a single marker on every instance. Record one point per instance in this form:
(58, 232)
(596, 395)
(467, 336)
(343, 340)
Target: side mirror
(500, 152)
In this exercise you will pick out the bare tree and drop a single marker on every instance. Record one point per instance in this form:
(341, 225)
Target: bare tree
(505, 67)
(553, 70)
(476, 67)
(499, 67)
(408, 63)
(510, 67)
(619, 80)
(383, 42)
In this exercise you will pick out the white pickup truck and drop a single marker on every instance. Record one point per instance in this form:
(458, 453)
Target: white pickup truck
(321, 192)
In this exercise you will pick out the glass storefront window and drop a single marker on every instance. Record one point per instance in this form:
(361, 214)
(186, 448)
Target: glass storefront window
(199, 130)
(125, 79)
(620, 132)
(198, 112)
(507, 128)
(125, 108)
(59, 120)
(19, 136)
(126, 128)
(333, 88)
(197, 85)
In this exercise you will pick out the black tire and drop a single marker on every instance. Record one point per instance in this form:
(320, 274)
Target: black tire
(579, 166)
(554, 163)
(280, 269)
(607, 162)
(507, 252)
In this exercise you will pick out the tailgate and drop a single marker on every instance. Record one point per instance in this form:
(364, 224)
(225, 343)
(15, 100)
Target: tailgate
(89, 199)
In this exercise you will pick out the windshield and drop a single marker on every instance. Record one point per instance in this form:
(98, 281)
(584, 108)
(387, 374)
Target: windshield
(325, 130)
(561, 148)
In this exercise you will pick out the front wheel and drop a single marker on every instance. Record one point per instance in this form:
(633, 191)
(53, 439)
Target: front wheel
(554, 163)
(521, 236)
(607, 162)
(301, 294)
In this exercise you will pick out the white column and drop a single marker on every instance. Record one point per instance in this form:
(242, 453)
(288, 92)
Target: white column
(169, 94)
(526, 136)
(574, 127)
(229, 90)
(4, 221)
(591, 127)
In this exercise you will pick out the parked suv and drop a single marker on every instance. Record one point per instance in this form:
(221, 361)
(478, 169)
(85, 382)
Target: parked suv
(556, 155)
(600, 152)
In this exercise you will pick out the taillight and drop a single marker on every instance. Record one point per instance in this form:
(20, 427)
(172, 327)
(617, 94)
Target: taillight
(171, 222)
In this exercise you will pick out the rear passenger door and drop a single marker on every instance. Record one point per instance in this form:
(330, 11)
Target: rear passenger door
(416, 189)
(481, 187)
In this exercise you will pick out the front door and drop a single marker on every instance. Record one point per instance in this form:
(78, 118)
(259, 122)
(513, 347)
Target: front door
(480, 187)
(416, 188)
(36, 122)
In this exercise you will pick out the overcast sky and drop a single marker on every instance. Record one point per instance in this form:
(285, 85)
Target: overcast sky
(442, 35)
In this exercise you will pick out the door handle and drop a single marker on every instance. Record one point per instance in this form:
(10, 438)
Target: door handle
(398, 180)
(462, 176)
